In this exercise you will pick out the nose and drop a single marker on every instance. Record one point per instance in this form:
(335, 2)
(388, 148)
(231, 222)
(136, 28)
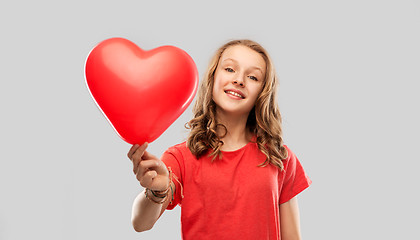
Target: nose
(238, 80)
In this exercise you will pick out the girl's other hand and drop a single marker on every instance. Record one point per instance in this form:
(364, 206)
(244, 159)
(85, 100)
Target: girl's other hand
(150, 171)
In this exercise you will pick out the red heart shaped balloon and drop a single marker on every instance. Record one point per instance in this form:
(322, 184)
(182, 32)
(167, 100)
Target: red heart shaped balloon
(141, 93)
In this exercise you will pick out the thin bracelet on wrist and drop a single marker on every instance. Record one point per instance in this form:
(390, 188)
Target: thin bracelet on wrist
(162, 194)
(153, 200)
(158, 195)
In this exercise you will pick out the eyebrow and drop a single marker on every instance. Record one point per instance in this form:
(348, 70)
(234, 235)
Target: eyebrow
(233, 60)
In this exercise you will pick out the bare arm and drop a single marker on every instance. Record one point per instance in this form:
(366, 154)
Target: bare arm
(289, 220)
(153, 175)
(145, 213)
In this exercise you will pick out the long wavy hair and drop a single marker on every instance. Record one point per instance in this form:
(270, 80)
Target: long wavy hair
(264, 120)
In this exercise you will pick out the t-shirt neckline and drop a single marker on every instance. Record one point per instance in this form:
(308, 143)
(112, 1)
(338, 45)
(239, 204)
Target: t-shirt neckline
(253, 140)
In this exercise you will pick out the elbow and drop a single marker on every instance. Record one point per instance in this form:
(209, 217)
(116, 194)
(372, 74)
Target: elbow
(142, 227)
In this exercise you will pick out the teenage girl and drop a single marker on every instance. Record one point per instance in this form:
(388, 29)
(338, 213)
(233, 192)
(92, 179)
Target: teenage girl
(233, 177)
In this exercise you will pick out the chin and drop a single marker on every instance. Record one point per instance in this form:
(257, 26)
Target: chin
(234, 110)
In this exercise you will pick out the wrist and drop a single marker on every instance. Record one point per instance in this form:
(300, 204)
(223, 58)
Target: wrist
(154, 198)
(163, 191)
(161, 196)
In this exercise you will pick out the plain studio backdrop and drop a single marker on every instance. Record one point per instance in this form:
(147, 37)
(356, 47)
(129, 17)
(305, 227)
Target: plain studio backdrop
(349, 96)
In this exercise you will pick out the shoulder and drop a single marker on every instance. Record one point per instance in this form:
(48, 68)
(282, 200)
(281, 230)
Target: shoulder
(291, 157)
(290, 153)
(292, 163)
(179, 151)
(181, 147)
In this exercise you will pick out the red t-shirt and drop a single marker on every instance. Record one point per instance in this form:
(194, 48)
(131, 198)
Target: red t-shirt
(231, 197)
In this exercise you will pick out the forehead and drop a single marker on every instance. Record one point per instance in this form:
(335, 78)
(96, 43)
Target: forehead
(243, 55)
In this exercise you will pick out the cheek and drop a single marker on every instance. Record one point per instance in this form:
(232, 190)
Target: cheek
(217, 84)
(215, 91)
(256, 91)
(221, 78)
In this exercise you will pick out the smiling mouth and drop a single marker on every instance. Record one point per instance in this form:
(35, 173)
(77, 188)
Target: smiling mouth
(235, 94)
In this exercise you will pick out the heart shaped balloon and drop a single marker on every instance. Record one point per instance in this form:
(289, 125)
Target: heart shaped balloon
(141, 93)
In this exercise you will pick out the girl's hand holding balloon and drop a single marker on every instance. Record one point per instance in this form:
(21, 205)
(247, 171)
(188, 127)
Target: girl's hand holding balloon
(150, 171)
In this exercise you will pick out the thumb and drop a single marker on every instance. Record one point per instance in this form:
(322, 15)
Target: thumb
(148, 156)
(161, 167)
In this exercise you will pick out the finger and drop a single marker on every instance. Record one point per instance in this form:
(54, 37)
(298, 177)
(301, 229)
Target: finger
(137, 157)
(160, 168)
(132, 150)
(147, 179)
(139, 152)
(136, 162)
(147, 155)
(145, 165)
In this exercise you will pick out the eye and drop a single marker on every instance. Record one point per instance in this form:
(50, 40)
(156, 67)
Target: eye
(229, 69)
(253, 78)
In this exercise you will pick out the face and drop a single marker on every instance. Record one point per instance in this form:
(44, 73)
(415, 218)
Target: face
(238, 80)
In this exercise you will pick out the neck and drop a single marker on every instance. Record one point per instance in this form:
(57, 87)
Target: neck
(237, 134)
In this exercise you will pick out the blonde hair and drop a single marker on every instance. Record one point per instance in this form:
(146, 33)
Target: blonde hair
(264, 120)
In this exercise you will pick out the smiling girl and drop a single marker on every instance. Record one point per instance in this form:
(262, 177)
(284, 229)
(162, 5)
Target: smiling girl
(233, 178)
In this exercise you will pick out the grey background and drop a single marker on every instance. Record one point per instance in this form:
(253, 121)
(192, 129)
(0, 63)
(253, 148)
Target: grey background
(349, 73)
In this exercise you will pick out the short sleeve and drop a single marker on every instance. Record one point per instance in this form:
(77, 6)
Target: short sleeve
(173, 160)
(292, 179)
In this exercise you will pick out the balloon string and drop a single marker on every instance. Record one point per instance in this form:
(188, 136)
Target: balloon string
(176, 178)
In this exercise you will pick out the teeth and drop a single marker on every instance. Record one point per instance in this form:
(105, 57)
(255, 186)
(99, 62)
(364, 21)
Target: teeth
(234, 94)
